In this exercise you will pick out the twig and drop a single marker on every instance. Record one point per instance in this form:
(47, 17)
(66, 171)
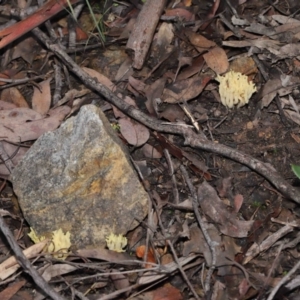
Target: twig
(13, 82)
(285, 279)
(234, 263)
(174, 183)
(58, 82)
(25, 263)
(212, 244)
(176, 257)
(150, 222)
(191, 138)
(274, 265)
(255, 248)
(72, 25)
(5, 158)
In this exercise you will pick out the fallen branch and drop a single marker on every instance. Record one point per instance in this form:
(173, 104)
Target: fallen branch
(191, 138)
(47, 11)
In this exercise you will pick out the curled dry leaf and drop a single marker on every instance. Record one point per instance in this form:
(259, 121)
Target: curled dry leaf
(217, 60)
(140, 252)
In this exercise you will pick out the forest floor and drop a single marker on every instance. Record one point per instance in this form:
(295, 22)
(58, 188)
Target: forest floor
(227, 154)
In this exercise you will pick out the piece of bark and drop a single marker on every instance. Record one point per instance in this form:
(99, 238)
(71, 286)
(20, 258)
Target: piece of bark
(142, 34)
(47, 11)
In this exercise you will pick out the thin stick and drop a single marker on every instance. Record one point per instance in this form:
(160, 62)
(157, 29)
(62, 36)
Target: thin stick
(191, 138)
(285, 279)
(174, 183)
(212, 244)
(175, 256)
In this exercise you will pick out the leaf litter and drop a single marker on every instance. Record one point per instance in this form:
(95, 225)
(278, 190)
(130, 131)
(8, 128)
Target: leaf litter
(244, 245)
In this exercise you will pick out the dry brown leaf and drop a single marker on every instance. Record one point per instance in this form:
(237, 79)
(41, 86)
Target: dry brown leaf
(184, 90)
(214, 207)
(118, 113)
(100, 77)
(217, 60)
(182, 13)
(173, 113)
(57, 270)
(197, 242)
(245, 65)
(15, 152)
(18, 115)
(194, 68)
(151, 152)
(269, 91)
(167, 292)
(294, 116)
(154, 92)
(13, 95)
(41, 99)
(10, 265)
(135, 133)
(120, 281)
(238, 202)
(138, 85)
(140, 252)
(11, 290)
(4, 76)
(107, 255)
(199, 41)
(162, 43)
(27, 49)
(150, 276)
(24, 124)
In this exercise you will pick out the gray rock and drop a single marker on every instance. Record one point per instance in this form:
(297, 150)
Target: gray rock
(79, 178)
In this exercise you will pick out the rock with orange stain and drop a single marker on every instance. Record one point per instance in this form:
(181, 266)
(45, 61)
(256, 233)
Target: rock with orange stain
(79, 178)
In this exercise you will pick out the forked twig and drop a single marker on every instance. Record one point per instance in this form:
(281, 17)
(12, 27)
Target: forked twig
(191, 138)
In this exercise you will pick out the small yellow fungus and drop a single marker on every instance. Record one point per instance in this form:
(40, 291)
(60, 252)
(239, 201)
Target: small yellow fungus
(60, 243)
(116, 242)
(235, 89)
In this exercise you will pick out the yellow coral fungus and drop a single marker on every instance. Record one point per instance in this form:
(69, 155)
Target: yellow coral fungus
(116, 242)
(60, 243)
(235, 89)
